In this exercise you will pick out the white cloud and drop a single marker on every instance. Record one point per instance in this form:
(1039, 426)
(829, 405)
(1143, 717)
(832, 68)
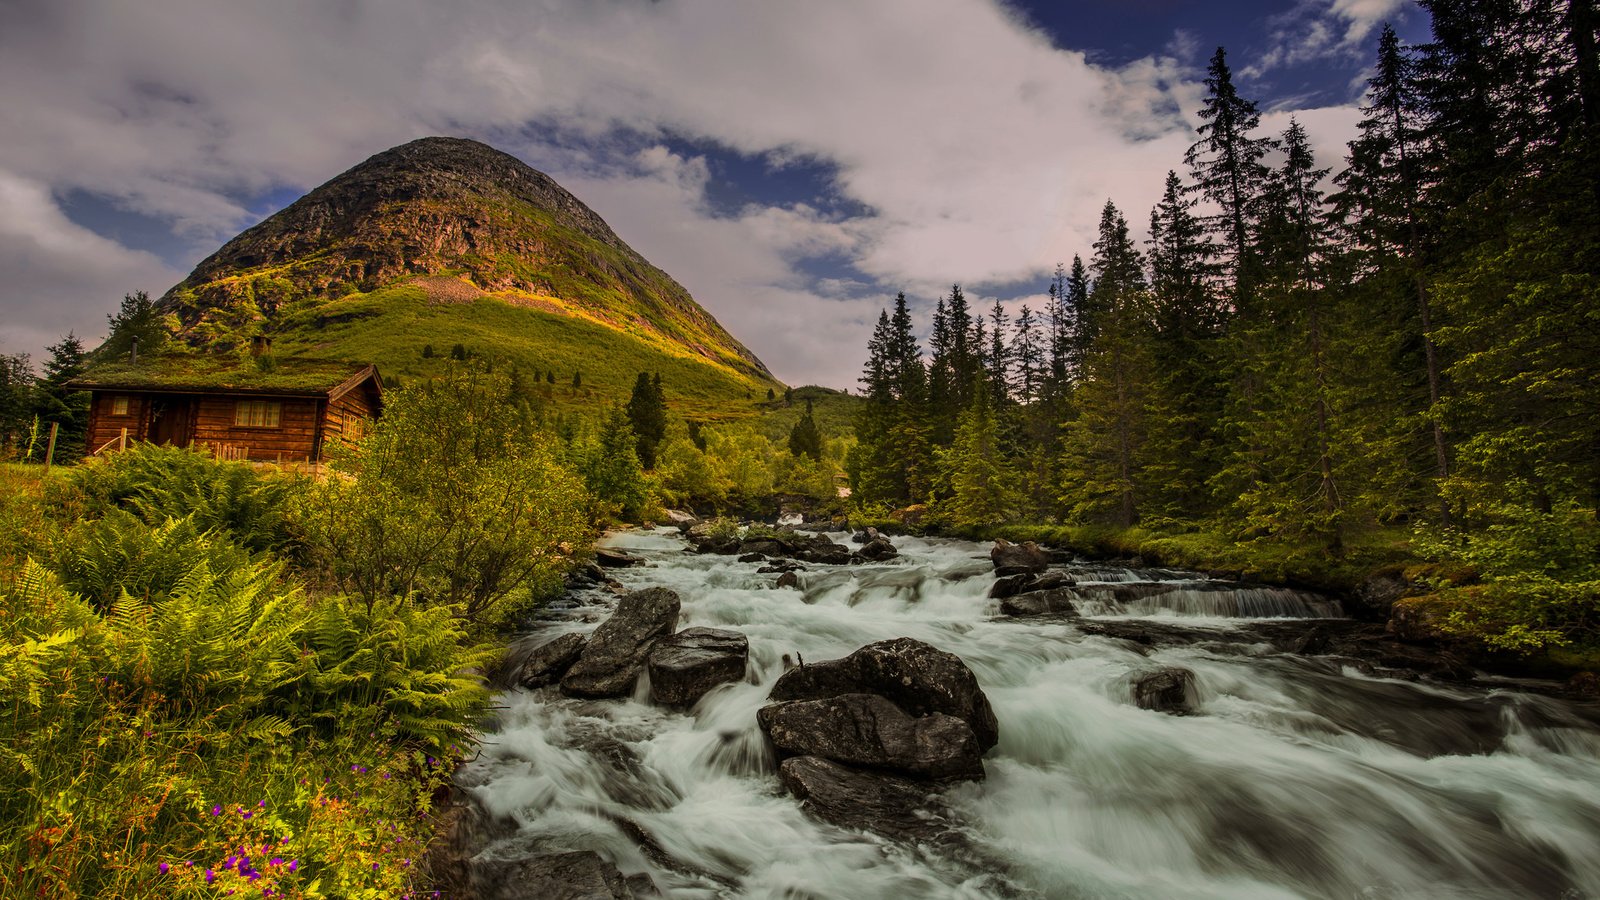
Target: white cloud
(983, 153)
(58, 276)
(1320, 29)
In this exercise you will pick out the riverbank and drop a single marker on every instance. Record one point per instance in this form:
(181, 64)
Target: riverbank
(1380, 577)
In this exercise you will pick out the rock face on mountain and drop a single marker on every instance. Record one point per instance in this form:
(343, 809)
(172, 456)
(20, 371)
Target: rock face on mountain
(460, 221)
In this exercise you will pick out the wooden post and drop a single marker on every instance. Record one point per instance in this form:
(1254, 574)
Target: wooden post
(50, 451)
(123, 445)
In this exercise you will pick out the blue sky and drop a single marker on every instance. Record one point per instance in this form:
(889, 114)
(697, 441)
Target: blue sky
(793, 165)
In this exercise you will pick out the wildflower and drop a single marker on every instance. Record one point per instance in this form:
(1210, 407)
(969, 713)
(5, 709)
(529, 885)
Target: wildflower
(248, 814)
(164, 867)
(216, 810)
(293, 865)
(262, 804)
(210, 876)
(276, 861)
(374, 867)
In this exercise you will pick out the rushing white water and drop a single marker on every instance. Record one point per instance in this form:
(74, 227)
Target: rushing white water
(1299, 777)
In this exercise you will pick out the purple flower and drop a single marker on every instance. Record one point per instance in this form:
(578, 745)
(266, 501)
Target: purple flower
(276, 861)
(216, 810)
(262, 804)
(294, 864)
(248, 814)
(164, 867)
(374, 867)
(210, 876)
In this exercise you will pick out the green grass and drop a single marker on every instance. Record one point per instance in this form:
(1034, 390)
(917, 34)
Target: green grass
(833, 411)
(228, 370)
(391, 327)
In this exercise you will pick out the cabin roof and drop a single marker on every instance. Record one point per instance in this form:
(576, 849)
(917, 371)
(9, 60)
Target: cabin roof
(231, 374)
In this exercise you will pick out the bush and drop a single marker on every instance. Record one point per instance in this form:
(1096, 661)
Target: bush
(455, 497)
(159, 483)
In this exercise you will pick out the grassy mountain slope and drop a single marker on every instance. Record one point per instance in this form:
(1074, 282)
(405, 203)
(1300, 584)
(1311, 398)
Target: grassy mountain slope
(445, 241)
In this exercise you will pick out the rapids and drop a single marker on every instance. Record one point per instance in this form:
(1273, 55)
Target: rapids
(1300, 777)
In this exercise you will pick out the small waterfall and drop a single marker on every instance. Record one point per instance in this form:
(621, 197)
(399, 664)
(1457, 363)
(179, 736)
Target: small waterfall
(1298, 778)
(1202, 598)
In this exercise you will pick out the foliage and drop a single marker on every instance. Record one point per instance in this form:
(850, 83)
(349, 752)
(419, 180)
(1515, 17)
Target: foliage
(455, 496)
(159, 483)
(804, 438)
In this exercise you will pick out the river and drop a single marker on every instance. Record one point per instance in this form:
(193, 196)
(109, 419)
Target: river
(1300, 776)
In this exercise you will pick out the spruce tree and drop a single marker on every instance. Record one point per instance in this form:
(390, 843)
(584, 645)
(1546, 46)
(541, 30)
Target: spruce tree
(804, 438)
(1227, 169)
(647, 414)
(55, 402)
(1028, 353)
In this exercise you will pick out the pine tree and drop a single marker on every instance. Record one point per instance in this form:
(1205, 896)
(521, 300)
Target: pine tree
(577, 380)
(980, 483)
(1029, 356)
(55, 402)
(612, 471)
(1187, 390)
(1227, 168)
(136, 322)
(1104, 448)
(647, 414)
(804, 438)
(998, 357)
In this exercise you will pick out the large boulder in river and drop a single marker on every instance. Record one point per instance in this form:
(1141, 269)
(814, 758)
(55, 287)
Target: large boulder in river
(580, 875)
(1017, 559)
(877, 549)
(616, 559)
(869, 801)
(1168, 689)
(920, 679)
(869, 730)
(546, 663)
(1058, 602)
(684, 666)
(618, 648)
(1028, 582)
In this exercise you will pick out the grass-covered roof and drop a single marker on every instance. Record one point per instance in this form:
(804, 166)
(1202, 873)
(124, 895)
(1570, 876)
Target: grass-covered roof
(228, 372)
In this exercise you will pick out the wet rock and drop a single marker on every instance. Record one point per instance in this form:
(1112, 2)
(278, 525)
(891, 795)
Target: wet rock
(753, 557)
(546, 663)
(1016, 559)
(1039, 603)
(824, 550)
(877, 549)
(1028, 582)
(917, 677)
(1420, 620)
(1374, 598)
(618, 648)
(1168, 690)
(898, 808)
(780, 565)
(616, 559)
(713, 537)
(461, 829)
(865, 536)
(684, 666)
(869, 730)
(580, 875)
(789, 580)
(763, 549)
(643, 886)
(1584, 685)
(684, 520)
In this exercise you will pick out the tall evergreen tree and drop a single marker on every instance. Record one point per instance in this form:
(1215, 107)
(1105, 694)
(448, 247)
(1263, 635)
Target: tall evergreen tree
(647, 414)
(1226, 162)
(1105, 444)
(998, 356)
(804, 438)
(1028, 354)
(55, 402)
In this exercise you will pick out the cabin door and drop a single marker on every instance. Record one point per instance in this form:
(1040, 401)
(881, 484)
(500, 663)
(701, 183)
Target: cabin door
(170, 421)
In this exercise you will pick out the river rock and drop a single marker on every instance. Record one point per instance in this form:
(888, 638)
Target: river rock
(895, 807)
(789, 580)
(762, 548)
(1039, 603)
(877, 549)
(1419, 620)
(869, 730)
(684, 666)
(616, 559)
(918, 678)
(1027, 582)
(1168, 690)
(1016, 559)
(865, 536)
(546, 663)
(579, 875)
(618, 648)
(712, 537)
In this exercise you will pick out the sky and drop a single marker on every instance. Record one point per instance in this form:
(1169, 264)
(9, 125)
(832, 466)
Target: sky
(793, 165)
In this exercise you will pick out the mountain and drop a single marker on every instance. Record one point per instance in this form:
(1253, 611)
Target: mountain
(443, 242)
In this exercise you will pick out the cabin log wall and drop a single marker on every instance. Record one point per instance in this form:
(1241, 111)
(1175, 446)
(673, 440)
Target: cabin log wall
(294, 440)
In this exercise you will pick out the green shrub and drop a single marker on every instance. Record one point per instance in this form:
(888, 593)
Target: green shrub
(158, 483)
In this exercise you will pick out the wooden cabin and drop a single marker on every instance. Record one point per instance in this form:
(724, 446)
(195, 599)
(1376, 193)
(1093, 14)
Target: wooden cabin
(282, 411)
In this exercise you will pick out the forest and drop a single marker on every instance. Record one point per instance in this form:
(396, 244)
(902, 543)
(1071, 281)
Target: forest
(1399, 363)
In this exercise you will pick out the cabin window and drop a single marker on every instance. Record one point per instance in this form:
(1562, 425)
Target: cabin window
(119, 406)
(257, 413)
(355, 427)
